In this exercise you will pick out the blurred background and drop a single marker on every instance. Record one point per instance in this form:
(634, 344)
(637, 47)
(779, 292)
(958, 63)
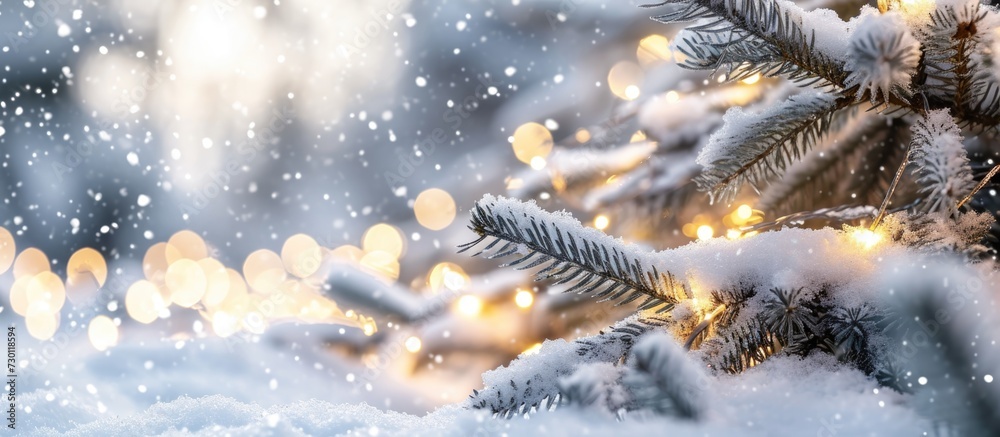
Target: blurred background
(287, 182)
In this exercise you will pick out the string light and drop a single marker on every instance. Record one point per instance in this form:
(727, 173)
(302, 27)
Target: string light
(602, 222)
(538, 163)
(446, 276)
(470, 305)
(705, 232)
(866, 238)
(744, 212)
(524, 298)
(632, 92)
(412, 345)
(181, 272)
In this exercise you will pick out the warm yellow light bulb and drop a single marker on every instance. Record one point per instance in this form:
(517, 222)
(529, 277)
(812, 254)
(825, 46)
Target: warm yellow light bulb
(744, 212)
(632, 92)
(705, 232)
(602, 222)
(524, 298)
(470, 305)
(413, 345)
(866, 238)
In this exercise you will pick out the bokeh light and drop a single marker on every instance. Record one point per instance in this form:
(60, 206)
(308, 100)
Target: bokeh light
(434, 209)
(30, 262)
(301, 255)
(653, 49)
(524, 298)
(8, 250)
(47, 287)
(143, 302)
(625, 80)
(186, 282)
(413, 344)
(102, 332)
(530, 141)
(264, 271)
(385, 238)
(470, 305)
(185, 244)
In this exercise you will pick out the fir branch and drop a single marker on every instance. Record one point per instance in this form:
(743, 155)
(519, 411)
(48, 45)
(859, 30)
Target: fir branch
(745, 346)
(568, 253)
(753, 148)
(753, 36)
(882, 57)
(851, 330)
(953, 41)
(845, 171)
(941, 163)
(664, 378)
(787, 314)
(525, 385)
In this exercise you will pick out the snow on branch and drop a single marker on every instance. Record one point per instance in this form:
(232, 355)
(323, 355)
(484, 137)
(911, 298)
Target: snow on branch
(773, 37)
(941, 164)
(532, 382)
(750, 148)
(882, 57)
(570, 253)
(665, 379)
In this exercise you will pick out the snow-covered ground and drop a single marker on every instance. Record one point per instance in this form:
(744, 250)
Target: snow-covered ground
(211, 387)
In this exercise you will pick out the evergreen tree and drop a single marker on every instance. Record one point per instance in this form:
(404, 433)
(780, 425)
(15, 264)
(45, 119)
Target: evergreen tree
(883, 126)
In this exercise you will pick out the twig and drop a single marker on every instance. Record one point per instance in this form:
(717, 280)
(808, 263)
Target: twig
(982, 184)
(892, 188)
